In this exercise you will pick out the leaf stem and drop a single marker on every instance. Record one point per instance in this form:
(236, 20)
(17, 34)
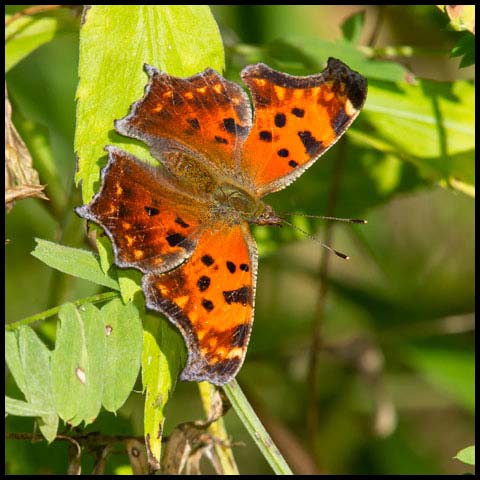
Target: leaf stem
(255, 428)
(218, 430)
(101, 297)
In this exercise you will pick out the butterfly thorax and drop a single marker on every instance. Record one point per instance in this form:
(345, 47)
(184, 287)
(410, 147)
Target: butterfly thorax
(239, 205)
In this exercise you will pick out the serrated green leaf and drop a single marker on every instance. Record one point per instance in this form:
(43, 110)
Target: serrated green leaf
(27, 33)
(23, 409)
(65, 359)
(123, 352)
(14, 362)
(156, 381)
(129, 281)
(115, 43)
(77, 363)
(465, 47)
(29, 362)
(73, 261)
(35, 358)
(352, 27)
(105, 252)
(467, 455)
(162, 361)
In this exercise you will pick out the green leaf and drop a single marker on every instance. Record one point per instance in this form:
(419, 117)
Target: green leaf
(78, 363)
(314, 52)
(449, 370)
(115, 43)
(73, 261)
(105, 252)
(124, 342)
(430, 125)
(23, 409)
(14, 362)
(465, 47)
(130, 281)
(35, 360)
(467, 455)
(27, 33)
(352, 27)
(162, 360)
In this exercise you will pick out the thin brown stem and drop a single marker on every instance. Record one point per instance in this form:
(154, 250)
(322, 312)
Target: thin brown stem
(315, 348)
(31, 11)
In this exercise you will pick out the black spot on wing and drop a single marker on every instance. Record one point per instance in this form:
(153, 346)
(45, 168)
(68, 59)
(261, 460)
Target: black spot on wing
(194, 123)
(203, 283)
(221, 140)
(229, 125)
(175, 238)
(182, 223)
(242, 295)
(265, 136)
(207, 305)
(311, 144)
(152, 211)
(231, 266)
(298, 112)
(280, 120)
(207, 260)
(234, 128)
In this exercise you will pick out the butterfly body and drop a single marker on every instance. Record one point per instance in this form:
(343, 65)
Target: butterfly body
(185, 224)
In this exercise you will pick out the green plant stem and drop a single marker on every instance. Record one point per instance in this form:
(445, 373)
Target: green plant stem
(255, 428)
(218, 430)
(101, 297)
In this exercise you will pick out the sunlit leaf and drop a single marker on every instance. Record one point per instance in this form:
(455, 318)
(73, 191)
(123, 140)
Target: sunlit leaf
(467, 455)
(27, 33)
(79, 263)
(162, 360)
(115, 43)
(78, 363)
(124, 340)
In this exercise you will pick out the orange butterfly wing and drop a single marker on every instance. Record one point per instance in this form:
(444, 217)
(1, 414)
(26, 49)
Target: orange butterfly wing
(210, 298)
(204, 115)
(296, 120)
(152, 225)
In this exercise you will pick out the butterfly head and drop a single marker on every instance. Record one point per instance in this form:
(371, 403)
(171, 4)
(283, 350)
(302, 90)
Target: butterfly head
(266, 216)
(235, 202)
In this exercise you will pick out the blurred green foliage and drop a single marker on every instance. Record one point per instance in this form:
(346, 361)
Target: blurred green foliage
(395, 377)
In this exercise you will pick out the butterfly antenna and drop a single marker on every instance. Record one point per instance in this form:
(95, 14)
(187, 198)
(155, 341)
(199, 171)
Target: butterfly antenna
(322, 217)
(324, 245)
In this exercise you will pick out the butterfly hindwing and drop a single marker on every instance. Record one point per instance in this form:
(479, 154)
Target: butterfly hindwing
(210, 298)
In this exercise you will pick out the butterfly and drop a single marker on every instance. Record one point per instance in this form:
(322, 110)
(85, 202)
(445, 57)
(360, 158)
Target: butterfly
(185, 224)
